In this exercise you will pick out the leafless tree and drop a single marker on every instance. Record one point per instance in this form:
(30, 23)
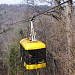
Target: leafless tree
(69, 31)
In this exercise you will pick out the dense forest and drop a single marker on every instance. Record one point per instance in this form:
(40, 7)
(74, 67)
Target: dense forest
(54, 25)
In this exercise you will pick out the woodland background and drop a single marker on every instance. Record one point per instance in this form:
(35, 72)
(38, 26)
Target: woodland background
(55, 28)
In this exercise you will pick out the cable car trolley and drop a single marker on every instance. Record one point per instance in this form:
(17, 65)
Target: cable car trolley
(33, 52)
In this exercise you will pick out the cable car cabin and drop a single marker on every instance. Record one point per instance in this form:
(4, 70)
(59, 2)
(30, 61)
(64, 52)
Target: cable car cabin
(33, 54)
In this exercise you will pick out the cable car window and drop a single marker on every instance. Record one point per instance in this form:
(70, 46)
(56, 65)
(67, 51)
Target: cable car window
(42, 55)
(37, 56)
(33, 56)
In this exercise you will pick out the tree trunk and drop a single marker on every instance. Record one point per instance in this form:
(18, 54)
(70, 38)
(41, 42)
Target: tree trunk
(54, 3)
(69, 34)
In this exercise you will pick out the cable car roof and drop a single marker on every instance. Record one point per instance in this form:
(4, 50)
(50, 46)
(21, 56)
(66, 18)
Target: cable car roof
(32, 45)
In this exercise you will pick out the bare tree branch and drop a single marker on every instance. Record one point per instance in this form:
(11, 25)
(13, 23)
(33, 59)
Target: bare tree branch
(6, 30)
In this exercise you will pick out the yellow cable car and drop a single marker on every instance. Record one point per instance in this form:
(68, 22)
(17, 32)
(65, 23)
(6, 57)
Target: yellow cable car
(33, 54)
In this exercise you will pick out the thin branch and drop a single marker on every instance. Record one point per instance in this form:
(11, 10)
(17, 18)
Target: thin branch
(5, 30)
(39, 14)
(4, 21)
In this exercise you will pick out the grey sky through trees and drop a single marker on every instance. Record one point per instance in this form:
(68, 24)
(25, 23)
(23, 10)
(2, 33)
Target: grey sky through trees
(37, 2)
(22, 1)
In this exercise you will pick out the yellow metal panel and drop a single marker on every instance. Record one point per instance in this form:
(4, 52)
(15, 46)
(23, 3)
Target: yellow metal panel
(34, 66)
(32, 45)
(24, 64)
(25, 40)
(21, 58)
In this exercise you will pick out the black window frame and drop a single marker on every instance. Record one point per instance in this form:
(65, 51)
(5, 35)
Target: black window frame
(37, 55)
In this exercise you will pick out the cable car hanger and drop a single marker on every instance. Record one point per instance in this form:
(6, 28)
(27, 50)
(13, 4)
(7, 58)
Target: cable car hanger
(33, 51)
(33, 33)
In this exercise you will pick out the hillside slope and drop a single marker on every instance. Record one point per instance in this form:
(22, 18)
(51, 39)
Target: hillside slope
(48, 29)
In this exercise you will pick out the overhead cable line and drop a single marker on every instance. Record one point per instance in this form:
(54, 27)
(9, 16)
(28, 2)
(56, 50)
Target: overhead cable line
(47, 10)
(31, 18)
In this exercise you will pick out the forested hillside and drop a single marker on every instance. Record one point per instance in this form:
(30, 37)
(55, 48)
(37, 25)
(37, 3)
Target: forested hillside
(49, 29)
